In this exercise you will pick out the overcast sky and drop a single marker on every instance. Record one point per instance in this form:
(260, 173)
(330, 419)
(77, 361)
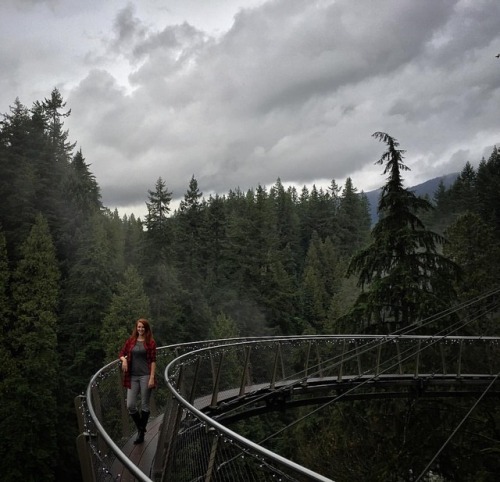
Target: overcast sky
(242, 92)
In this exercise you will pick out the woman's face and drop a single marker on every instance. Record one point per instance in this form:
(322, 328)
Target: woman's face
(140, 329)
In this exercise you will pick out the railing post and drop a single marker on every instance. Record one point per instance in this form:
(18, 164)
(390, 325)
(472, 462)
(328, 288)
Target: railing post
(96, 403)
(320, 365)
(379, 354)
(417, 360)
(443, 361)
(277, 358)
(211, 460)
(123, 406)
(195, 380)
(215, 393)
(398, 351)
(306, 365)
(358, 357)
(169, 429)
(87, 469)
(341, 366)
(245, 374)
(82, 442)
(459, 366)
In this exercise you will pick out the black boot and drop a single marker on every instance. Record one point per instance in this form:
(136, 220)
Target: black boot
(140, 438)
(136, 417)
(144, 420)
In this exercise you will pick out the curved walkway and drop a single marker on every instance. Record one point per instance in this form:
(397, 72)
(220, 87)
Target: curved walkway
(209, 382)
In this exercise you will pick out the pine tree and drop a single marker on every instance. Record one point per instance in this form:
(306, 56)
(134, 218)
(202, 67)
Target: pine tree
(82, 199)
(287, 227)
(18, 180)
(215, 224)
(33, 412)
(405, 277)
(487, 182)
(318, 212)
(51, 163)
(81, 188)
(88, 290)
(158, 227)
(189, 240)
(158, 270)
(321, 281)
(473, 246)
(128, 304)
(353, 220)
(7, 363)
(195, 315)
(58, 137)
(134, 241)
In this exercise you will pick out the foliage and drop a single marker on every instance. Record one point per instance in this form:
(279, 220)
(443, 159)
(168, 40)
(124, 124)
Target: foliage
(74, 276)
(405, 276)
(128, 304)
(32, 343)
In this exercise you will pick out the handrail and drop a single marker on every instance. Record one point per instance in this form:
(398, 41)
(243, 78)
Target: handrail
(134, 470)
(114, 448)
(265, 453)
(185, 350)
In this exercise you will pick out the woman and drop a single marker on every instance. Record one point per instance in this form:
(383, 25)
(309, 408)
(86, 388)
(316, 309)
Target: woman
(138, 358)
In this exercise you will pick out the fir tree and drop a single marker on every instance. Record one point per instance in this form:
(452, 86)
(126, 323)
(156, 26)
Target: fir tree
(33, 414)
(487, 182)
(403, 275)
(128, 304)
(158, 227)
(18, 180)
(88, 291)
(189, 230)
(353, 220)
(7, 363)
(473, 246)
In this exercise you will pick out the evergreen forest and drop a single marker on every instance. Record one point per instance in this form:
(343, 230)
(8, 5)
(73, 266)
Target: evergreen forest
(75, 275)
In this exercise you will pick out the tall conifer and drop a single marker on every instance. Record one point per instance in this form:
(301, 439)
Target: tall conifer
(128, 304)
(403, 275)
(33, 343)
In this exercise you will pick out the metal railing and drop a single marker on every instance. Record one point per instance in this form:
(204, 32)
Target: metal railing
(207, 382)
(104, 424)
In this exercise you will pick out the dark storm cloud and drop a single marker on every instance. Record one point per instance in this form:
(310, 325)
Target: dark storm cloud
(293, 89)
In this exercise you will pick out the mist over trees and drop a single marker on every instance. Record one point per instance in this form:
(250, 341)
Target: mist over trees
(74, 276)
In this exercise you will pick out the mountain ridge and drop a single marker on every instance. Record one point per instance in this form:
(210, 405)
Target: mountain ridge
(428, 188)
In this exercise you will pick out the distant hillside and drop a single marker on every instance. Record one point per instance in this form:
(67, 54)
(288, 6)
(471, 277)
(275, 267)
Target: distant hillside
(428, 187)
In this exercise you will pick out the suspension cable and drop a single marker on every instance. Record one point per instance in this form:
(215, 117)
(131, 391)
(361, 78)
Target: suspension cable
(297, 379)
(457, 428)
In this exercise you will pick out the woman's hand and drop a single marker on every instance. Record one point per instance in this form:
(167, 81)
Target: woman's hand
(124, 365)
(151, 382)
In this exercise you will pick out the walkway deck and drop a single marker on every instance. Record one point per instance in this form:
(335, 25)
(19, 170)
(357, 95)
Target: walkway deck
(142, 455)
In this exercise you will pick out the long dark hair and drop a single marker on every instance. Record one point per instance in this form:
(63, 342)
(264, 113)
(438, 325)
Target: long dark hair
(148, 333)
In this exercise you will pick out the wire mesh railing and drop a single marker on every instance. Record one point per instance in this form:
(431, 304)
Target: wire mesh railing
(105, 426)
(208, 381)
(211, 382)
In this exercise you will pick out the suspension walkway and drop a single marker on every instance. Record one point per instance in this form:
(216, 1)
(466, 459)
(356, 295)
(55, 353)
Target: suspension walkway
(210, 385)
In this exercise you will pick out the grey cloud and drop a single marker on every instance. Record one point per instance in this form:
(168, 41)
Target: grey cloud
(30, 3)
(173, 37)
(466, 35)
(458, 159)
(288, 52)
(294, 90)
(127, 29)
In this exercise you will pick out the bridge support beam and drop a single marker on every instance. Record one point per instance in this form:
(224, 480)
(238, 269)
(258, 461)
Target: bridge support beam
(167, 436)
(82, 442)
(211, 460)
(245, 376)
